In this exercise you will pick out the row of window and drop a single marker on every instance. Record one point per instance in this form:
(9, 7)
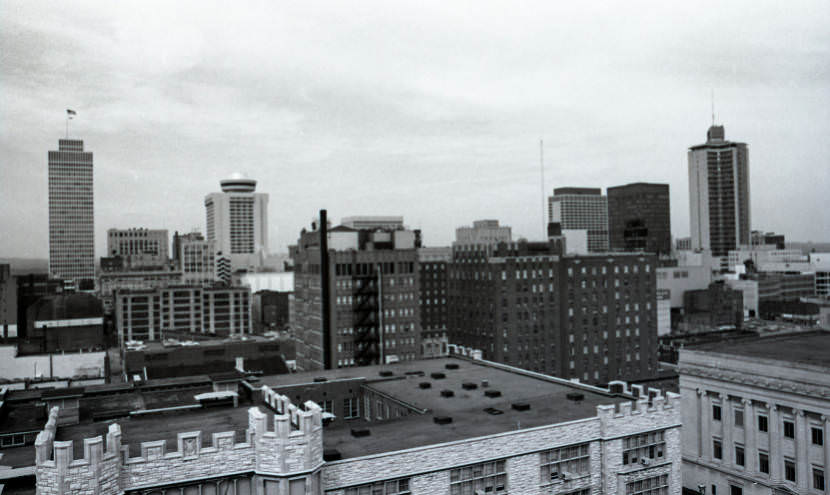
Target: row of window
(763, 464)
(788, 425)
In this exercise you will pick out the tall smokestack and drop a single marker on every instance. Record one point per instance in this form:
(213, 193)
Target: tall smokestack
(324, 287)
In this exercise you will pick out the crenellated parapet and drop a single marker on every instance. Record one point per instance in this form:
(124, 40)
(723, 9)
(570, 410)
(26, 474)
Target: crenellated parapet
(648, 406)
(58, 472)
(292, 447)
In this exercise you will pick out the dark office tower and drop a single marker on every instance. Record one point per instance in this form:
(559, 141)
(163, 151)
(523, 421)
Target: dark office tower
(590, 317)
(581, 208)
(719, 193)
(356, 293)
(71, 214)
(639, 218)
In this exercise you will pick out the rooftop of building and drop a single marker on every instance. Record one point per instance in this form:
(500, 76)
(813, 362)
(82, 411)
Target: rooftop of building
(637, 186)
(807, 348)
(585, 191)
(547, 398)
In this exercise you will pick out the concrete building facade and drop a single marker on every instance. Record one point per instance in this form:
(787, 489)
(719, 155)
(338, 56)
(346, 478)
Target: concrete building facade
(71, 212)
(756, 415)
(719, 193)
(577, 208)
(139, 247)
(155, 314)
(483, 232)
(433, 270)
(237, 223)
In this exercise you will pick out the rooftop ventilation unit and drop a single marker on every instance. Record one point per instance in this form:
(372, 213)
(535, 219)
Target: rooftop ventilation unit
(520, 406)
(469, 386)
(320, 379)
(485, 383)
(386, 373)
(331, 455)
(425, 385)
(361, 432)
(442, 420)
(437, 376)
(451, 366)
(493, 411)
(447, 393)
(575, 396)
(492, 393)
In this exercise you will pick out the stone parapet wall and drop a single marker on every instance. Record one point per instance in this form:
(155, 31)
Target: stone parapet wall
(294, 447)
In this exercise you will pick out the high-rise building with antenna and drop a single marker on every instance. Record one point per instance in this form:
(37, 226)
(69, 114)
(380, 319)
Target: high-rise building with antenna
(719, 193)
(71, 212)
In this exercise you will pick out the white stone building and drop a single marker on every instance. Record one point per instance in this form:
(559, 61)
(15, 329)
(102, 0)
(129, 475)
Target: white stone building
(756, 414)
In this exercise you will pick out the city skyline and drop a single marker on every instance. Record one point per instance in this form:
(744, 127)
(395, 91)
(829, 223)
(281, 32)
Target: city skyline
(442, 116)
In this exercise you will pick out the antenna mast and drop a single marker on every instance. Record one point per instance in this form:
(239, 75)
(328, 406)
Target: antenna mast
(713, 106)
(542, 185)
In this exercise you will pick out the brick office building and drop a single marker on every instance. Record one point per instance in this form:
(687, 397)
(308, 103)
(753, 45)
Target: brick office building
(356, 295)
(433, 268)
(756, 415)
(591, 317)
(500, 430)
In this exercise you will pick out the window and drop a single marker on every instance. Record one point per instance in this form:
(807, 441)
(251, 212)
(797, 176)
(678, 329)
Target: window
(650, 445)
(739, 417)
(789, 429)
(351, 408)
(327, 406)
(716, 412)
(394, 487)
(789, 470)
(717, 449)
(763, 423)
(555, 462)
(817, 433)
(657, 485)
(486, 477)
(714, 489)
(763, 462)
(818, 479)
(739, 455)
(735, 490)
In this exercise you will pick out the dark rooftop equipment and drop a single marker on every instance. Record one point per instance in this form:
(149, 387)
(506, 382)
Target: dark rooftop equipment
(331, 455)
(442, 420)
(493, 411)
(361, 432)
(469, 386)
(425, 385)
(492, 393)
(319, 379)
(386, 373)
(437, 376)
(447, 393)
(451, 366)
(485, 383)
(520, 406)
(414, 373)
(575, 396)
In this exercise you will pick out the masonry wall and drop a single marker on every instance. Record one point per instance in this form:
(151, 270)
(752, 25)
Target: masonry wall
(294, 448)
(429, 467)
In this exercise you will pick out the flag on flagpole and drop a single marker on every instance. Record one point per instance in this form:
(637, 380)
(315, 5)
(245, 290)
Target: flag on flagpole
(70, 113)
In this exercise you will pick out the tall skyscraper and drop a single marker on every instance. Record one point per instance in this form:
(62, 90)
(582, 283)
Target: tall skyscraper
(237, 222)
(71, 213)
(581, 208)
(719, 193)
(639, 218)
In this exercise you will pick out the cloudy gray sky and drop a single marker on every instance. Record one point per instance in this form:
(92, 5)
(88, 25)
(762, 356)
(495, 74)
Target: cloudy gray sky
(431, 110)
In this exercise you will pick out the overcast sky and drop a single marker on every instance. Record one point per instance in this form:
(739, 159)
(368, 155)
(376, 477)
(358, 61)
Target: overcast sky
(430, 110)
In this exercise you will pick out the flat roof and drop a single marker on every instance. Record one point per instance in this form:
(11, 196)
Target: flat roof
(811, 348)
(546, 396)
